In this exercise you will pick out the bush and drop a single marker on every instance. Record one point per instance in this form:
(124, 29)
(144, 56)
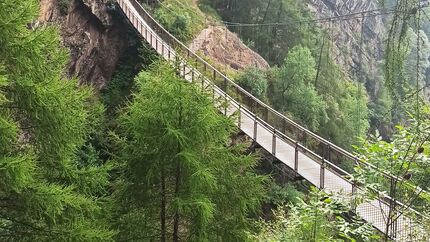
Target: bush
(284, 194)
(254, 81)
(63, 5)
(178, 25)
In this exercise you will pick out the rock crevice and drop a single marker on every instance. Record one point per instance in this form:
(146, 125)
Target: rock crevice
(94, 34)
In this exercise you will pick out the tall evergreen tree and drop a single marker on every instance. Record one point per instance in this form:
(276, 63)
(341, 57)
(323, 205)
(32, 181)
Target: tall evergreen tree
(46, 192)
(183, 178)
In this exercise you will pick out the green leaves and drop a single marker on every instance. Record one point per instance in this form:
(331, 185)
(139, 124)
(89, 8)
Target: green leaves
(400, 157)
(45, 119)
(319, 217)
(255, 82)
(293, 91)
(179, 169)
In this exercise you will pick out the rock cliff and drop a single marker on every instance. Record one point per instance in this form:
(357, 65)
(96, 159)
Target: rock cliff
(94, 33)
(346, 34)
(226, 48)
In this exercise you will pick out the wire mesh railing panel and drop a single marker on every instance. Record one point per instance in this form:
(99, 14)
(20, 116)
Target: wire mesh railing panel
(309, 155)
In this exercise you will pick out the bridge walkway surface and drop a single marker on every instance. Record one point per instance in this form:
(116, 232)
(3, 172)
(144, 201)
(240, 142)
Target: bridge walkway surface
(268, 128)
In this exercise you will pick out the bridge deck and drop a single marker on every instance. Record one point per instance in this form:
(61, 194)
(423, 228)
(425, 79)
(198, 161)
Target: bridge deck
(304, 162)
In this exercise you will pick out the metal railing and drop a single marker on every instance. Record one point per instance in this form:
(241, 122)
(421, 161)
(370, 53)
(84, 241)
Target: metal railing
(263, 117)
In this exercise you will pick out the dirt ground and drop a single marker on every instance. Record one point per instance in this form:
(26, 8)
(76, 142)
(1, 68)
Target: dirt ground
(226, 48)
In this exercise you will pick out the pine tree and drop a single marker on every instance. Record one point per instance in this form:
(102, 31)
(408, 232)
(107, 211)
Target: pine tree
(182, 177)
(46, 192)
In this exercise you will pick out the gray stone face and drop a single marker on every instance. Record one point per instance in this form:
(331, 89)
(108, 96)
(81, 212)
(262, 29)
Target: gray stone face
(346, 34)
(95, 38)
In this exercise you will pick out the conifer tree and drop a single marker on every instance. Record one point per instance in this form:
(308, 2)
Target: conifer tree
(182, 179)
(46, 192)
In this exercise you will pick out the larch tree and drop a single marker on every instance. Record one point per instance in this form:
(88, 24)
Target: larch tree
(182, 178)
(46, 192)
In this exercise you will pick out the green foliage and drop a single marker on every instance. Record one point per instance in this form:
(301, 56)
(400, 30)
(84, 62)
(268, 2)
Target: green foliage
(273, 42)
(417, 64)
(318, 94)
(46, 192)
(254, 81)
(136, 57)
(206, 7)
(293, 91)
(280, 195)
(402, 75)
(348, 114)
(406, 155)
(320, 218)
(179, 168)
(180, 18)
(346, 102)
(177, 25)
(64, 6)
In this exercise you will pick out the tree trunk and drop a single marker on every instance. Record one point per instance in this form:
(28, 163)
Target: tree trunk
(319, 63)
(177, 186)
(391, 210)
(176, 218)
(163, 205)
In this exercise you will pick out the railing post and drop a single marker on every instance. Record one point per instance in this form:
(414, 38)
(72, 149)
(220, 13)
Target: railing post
(156, 45)
(150, 38)
(225, 84)
(392, 214)
(225, 104)
(304, 137)
(213, 92)
(162, 50)
(185, 63)
(274, 142)
(255, 127)
(284, 125)
(322, 173)
(296, 157)
(240, 117)
(146, 34)
(354, 193)
(214, 76)
(329, 152)
(192, 75)
(252, 106)
(168, 54)
(266, 114)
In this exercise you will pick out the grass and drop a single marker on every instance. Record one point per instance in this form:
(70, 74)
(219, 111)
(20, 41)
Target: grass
(181, 17)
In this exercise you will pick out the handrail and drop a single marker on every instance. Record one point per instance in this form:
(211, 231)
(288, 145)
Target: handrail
(318, 138)
(320, 159)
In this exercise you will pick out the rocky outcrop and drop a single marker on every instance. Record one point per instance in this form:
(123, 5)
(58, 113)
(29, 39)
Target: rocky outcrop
(346, 34)
(93, 31)
(226, 49)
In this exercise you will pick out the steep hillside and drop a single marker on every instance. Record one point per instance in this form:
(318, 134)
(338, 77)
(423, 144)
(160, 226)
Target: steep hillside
(225, 48)
(194, 22)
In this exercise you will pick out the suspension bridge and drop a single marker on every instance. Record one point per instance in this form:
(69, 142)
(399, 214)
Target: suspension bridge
(309, 155)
